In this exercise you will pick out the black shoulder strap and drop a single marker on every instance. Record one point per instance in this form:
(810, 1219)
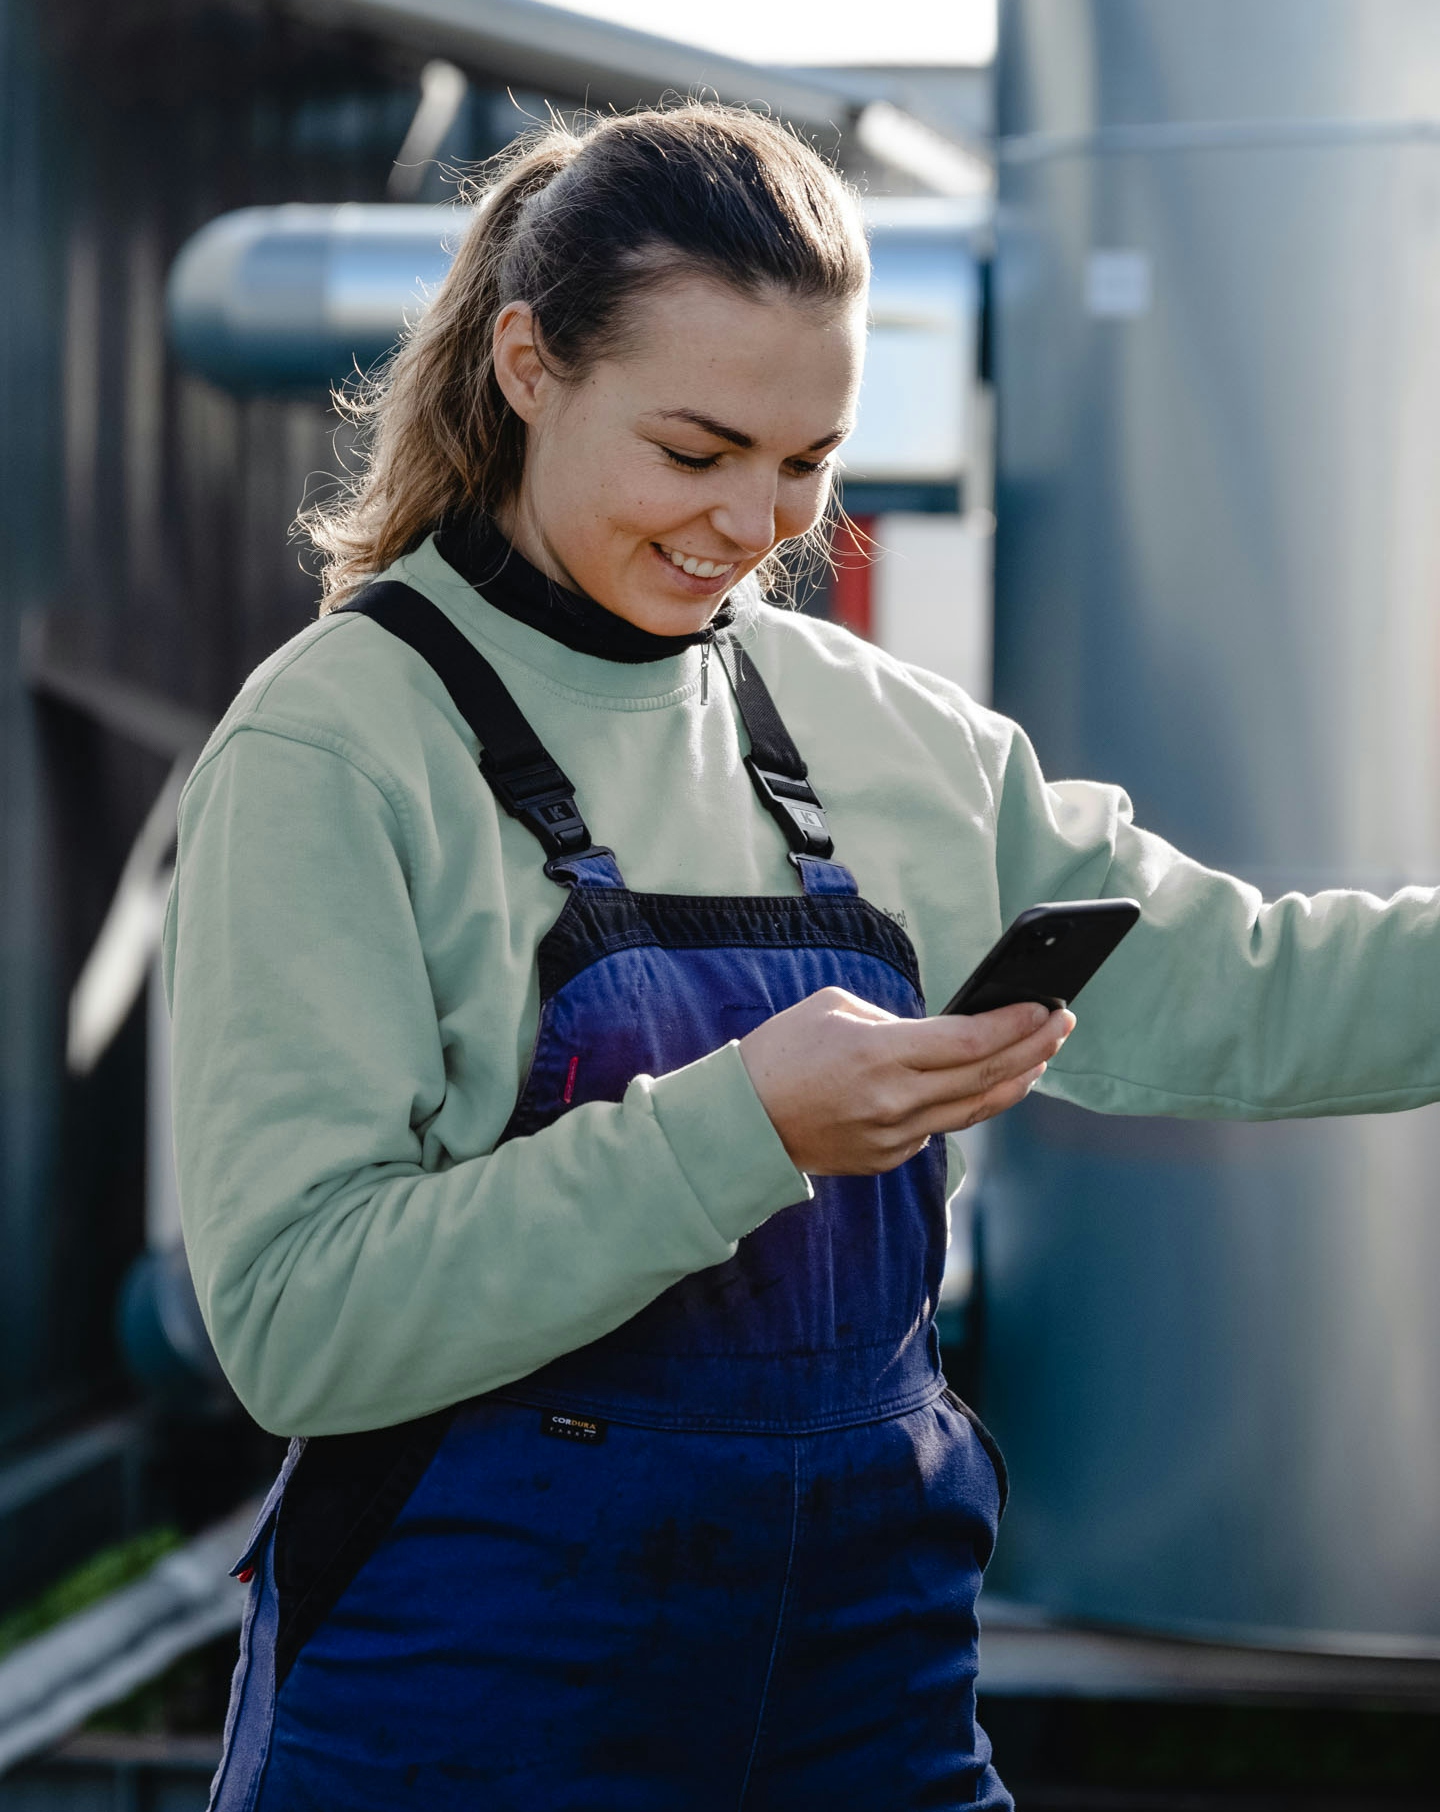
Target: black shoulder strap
(531, 786)
(776, 768)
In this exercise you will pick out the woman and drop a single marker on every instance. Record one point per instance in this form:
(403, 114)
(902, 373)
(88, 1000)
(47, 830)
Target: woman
(555, 1105)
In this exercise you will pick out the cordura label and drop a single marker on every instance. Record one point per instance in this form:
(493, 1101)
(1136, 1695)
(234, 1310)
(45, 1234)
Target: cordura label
(572, 1428)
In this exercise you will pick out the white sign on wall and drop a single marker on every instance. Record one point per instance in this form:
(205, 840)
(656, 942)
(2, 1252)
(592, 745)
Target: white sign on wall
(1118, 285)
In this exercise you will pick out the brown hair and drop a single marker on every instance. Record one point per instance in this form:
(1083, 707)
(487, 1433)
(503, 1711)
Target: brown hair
(574, 220)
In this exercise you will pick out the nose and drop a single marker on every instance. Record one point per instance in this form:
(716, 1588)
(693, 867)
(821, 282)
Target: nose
(745, 515)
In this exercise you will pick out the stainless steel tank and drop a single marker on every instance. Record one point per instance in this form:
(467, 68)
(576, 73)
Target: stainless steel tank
(1212, 1352)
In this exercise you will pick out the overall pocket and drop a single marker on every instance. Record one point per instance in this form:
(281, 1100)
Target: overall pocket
(987, 1441)
(338, 1504)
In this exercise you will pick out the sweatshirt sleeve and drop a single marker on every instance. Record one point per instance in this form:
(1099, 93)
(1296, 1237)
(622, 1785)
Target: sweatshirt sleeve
(1219, 1005)
(345, 1285)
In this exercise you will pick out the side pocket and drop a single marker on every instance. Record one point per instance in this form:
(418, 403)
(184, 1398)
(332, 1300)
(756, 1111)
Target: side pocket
(339, 1504)
(249, 1721)
(987, 1441)
(244, 1568)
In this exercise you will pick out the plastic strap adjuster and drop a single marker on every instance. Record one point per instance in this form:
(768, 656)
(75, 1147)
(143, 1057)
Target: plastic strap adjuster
(543, 799)
(796, 809)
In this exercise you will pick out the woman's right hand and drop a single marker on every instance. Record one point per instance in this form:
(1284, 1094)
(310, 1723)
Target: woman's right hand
(854, 1091)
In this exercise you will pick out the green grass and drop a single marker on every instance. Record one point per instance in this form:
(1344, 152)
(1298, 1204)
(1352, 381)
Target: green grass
(94, 1579)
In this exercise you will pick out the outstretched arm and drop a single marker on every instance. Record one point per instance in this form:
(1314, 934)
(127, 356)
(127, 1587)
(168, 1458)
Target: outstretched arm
(1219, 1005)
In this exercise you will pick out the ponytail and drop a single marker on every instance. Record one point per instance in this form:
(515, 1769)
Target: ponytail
(575, 224)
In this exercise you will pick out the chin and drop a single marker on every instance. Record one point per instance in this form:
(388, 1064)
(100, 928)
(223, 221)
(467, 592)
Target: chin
(671, 618)
(662, 615)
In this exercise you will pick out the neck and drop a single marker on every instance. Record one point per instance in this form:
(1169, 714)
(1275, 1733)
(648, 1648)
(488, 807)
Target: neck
(526, 538)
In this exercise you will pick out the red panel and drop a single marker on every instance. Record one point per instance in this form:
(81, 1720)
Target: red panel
(851, 601)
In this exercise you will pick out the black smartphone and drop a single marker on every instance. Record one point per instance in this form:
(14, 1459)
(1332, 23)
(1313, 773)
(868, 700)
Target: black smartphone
(1047, 955)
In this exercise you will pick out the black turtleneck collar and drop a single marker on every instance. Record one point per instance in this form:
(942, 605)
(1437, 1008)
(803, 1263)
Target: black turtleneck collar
(481, 555)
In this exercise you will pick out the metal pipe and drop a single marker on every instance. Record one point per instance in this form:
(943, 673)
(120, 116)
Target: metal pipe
(296, 298)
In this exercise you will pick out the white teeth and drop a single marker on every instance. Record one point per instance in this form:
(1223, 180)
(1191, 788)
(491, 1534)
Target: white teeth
(698, 569)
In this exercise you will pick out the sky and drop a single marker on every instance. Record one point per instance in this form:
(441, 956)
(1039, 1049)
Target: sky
(811, 33)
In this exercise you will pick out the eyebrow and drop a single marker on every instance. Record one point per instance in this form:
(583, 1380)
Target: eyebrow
(737, 436)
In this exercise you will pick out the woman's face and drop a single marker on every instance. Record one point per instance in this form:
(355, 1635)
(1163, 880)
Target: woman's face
(672, 469)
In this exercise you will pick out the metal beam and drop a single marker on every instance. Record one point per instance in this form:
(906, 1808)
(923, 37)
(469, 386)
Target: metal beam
(1023, 1654)
(566, 54)
(143, 717)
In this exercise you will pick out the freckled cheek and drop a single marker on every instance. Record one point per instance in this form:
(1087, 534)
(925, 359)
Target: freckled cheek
(612, 512)
(653, 512)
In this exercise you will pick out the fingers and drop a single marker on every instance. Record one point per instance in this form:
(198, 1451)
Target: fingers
(964, 1111)
(927, 1101)
(854, 1090)
(961, 1109)
(954, 1038)
(934, 1083)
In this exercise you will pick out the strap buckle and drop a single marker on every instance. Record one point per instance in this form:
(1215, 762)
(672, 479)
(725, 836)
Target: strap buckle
(795, 808)
(543, 799)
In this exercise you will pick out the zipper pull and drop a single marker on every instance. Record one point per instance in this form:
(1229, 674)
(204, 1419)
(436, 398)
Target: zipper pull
(704, 672)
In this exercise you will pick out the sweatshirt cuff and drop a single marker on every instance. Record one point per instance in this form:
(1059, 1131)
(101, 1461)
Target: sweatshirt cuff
(725, 1142)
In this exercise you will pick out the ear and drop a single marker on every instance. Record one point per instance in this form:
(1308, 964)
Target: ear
(519, 369)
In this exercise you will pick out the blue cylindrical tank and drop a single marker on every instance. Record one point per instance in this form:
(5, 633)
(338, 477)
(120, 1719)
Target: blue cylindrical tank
(299, 297)
(1212, 1351)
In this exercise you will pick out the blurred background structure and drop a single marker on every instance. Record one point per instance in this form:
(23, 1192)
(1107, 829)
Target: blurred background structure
(1175, 366)
(1214, 1349)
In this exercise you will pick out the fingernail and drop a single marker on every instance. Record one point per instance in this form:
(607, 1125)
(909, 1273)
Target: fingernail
(1039, 1014)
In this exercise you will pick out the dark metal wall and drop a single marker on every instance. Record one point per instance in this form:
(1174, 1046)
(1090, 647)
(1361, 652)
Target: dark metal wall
(30, 512)
(177, 497)
(145, 515)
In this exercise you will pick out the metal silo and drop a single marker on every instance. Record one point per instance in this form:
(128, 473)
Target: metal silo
(1212, 1352)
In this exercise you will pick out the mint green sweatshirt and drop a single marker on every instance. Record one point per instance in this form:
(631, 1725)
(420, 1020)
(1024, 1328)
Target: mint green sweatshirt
(350, 957)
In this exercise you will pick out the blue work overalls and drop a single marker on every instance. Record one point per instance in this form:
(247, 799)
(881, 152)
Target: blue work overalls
(725, 1557)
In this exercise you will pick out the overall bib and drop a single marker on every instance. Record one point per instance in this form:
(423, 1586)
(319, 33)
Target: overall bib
(725, 1557)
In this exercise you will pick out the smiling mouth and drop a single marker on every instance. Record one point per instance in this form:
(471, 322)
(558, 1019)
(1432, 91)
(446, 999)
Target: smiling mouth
(693, 564)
